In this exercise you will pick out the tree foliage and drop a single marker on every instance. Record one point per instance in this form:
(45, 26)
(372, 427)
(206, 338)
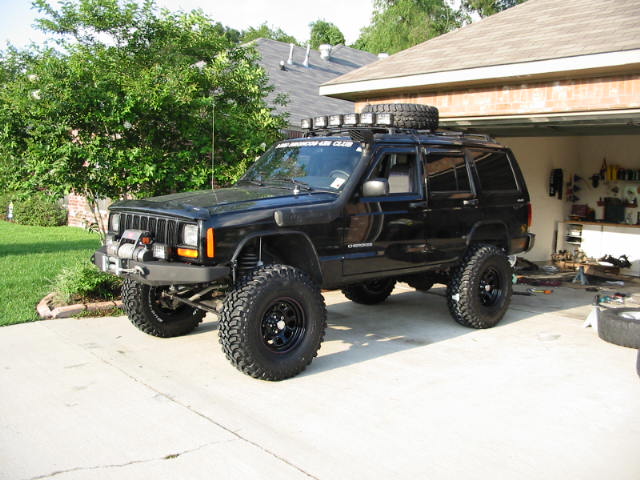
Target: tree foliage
(325, 32)
(484, 8)
(399, 24)
(124, 103)
(264, 31)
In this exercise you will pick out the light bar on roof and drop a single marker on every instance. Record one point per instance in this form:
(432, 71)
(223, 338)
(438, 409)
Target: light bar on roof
(306, 124)
(368, 118)
(351, 119)
(320, 122)
(384, 119)
(335, 120)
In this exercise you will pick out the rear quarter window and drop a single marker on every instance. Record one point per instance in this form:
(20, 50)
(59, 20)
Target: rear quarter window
(494, 171)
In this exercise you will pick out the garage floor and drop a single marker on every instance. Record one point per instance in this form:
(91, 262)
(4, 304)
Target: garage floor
(399, 390)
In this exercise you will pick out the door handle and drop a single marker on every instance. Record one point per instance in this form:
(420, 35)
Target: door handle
(473, 202)
(418, 205)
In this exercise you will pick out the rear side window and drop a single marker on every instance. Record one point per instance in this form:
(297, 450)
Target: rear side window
(494, 171)
(447, 173)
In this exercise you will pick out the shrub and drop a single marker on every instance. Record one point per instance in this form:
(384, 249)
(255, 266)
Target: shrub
(84, 283)
(39, 210)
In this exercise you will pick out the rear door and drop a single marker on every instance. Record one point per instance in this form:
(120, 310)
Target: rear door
(453, 203)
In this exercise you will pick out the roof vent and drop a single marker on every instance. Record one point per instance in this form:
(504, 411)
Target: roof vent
(306, 58)
(290, 60)
(325, 51)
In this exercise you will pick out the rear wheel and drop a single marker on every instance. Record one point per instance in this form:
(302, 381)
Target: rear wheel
(479, 292)
(370, 293)
(156, 314)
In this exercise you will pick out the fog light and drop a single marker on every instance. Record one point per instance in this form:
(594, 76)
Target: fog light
(385, 119)
(306, 123)
(161, 251)
(368, 118)
(351, 119)
(320, 122)
(335, 120)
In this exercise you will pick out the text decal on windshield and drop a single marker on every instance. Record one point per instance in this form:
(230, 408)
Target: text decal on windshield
(316, 143)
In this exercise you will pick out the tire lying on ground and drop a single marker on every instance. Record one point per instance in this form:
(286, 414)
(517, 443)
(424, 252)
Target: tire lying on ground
(620, 326)
(408, 115)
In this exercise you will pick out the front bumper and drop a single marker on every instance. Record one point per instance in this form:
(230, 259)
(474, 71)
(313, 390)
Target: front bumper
(158, 272)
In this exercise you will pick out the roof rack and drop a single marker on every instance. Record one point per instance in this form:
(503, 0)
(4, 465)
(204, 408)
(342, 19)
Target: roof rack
(330, 131)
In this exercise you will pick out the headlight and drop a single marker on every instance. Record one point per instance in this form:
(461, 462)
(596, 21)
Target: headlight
(190, 235)
(115, 222)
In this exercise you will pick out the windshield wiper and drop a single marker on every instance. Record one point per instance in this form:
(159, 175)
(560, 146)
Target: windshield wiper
(252, 181)
(297, 184)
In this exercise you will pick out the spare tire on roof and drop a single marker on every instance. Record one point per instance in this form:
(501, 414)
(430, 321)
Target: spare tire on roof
(408, 115)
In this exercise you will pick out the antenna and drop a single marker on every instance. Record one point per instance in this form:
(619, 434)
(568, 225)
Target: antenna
(213, 145)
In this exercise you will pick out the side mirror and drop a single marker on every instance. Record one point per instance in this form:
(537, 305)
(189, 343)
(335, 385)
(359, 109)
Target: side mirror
(375, 188)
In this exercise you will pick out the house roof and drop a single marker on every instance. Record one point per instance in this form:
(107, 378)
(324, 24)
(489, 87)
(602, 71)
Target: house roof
(536, 33)
(301, 83)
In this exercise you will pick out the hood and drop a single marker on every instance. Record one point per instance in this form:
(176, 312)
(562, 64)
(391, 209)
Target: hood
(202, 204)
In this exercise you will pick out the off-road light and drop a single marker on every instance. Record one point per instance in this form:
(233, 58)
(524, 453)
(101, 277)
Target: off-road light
(306, 123)
(351, 119)
(161, 251)
(115, 222)
(335, 120)
(367, 118)
(190, 235)
(320, 122)
(384, 119)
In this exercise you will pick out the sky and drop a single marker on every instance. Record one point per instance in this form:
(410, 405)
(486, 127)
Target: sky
(292, 16)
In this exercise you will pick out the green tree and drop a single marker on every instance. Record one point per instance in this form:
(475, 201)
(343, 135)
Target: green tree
(399, 24)
(484, 8)
(123, 105)
(264, 31)
(325, 32)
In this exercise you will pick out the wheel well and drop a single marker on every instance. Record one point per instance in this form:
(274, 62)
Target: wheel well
(490, 233)
(294, 249)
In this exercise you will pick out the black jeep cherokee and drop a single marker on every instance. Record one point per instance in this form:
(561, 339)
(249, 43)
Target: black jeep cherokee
(361, 202)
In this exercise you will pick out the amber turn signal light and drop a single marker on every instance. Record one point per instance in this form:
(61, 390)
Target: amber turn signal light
(187, 252)
(211, 243)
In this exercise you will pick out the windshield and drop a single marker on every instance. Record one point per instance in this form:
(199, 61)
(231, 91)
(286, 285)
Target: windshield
(314, 164)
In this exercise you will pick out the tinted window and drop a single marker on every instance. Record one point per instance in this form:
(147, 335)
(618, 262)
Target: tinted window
(494, 171)
(447, 173)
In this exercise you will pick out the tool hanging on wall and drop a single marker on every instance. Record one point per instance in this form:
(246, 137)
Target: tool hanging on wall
(556, 183)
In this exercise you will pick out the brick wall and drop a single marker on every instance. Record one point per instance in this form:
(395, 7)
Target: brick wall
(590, 94)
(79, 212)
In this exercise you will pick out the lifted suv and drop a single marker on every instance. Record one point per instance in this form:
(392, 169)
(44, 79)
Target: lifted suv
(357, 205)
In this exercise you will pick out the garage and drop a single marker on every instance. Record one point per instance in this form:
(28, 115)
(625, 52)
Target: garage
(558, 83)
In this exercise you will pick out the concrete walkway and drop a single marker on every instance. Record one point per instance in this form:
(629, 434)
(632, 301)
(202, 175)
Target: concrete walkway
(398, 391)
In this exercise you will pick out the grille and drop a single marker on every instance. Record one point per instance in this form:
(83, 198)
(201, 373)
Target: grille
(164, 230)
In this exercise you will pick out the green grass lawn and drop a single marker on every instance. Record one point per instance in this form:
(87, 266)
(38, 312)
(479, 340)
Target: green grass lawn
(30, 258)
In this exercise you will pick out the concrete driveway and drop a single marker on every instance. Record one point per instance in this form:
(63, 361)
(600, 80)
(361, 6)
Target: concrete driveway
(398, 391)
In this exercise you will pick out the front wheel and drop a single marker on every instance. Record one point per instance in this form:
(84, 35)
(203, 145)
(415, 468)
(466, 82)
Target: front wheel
(273, 323)
(154, 313)
(479, 292)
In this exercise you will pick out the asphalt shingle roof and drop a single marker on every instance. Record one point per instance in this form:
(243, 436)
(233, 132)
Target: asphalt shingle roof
(534, 30)
(301, 83)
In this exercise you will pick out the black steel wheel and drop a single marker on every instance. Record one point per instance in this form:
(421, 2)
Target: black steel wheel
(156, 314)
(273, 322)
(283, 325)
(479, 292)
(371, 292)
